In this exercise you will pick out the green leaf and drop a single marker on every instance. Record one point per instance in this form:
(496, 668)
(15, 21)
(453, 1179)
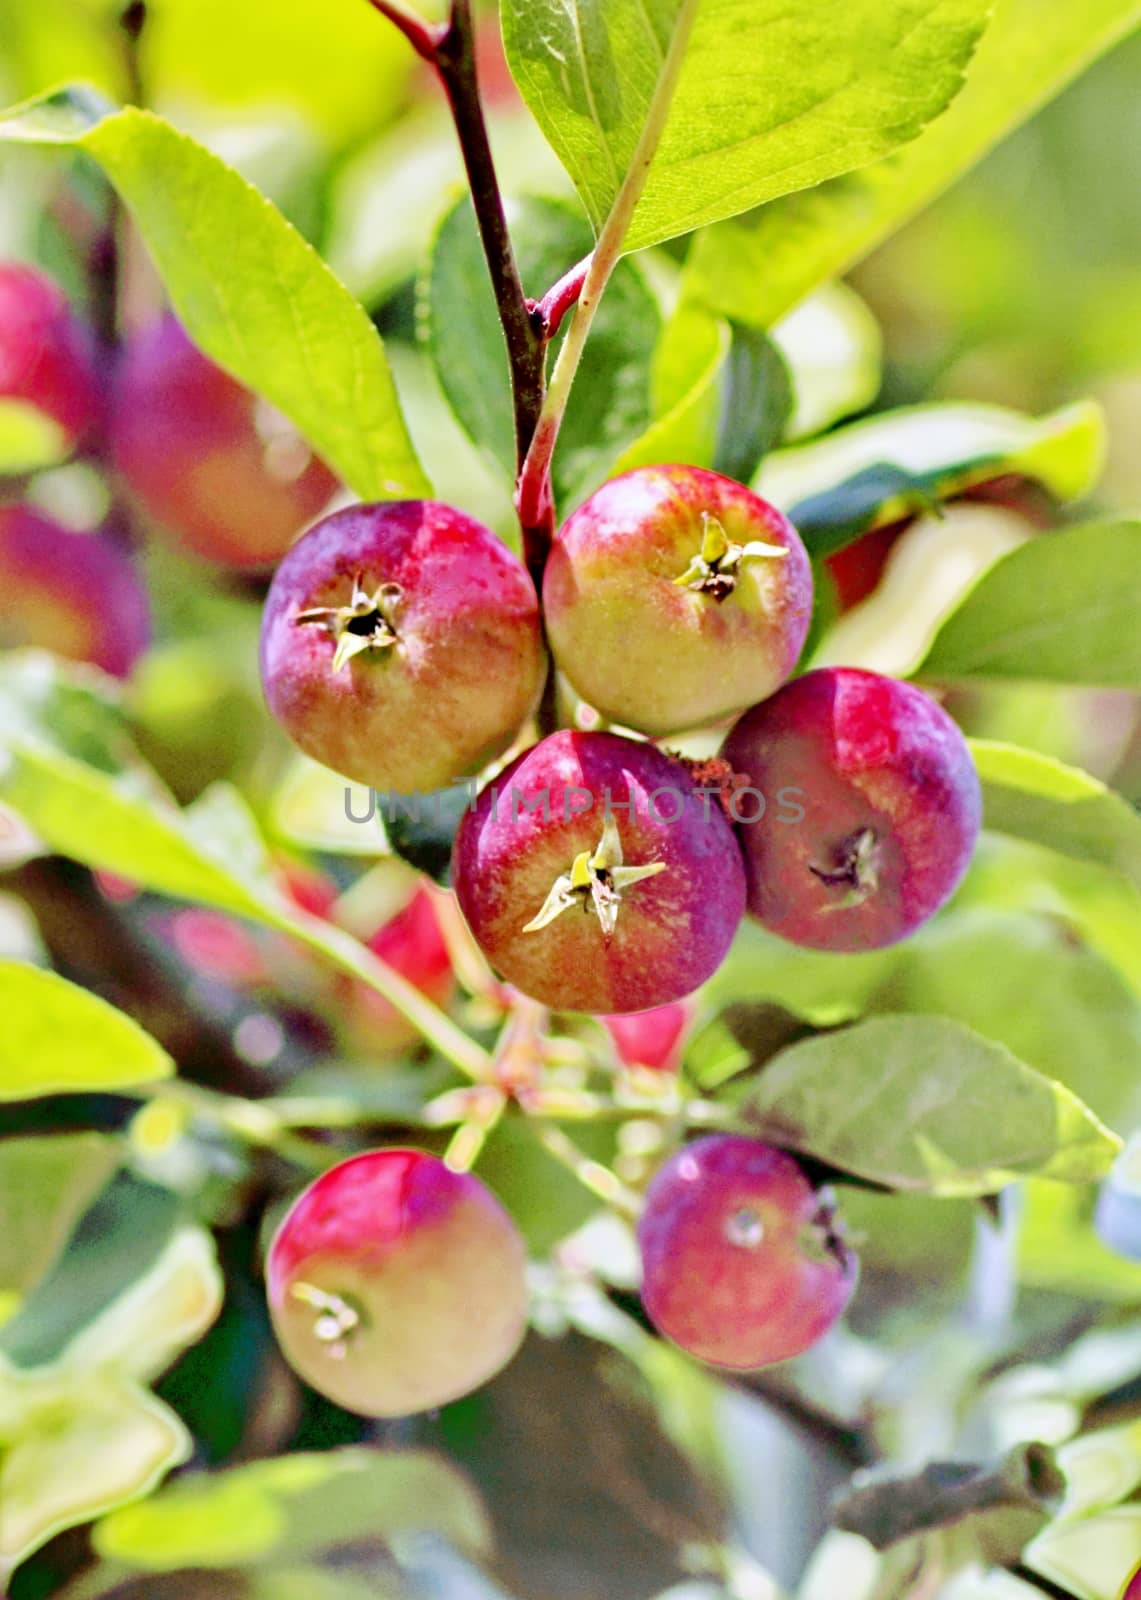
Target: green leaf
(922, 1103)
(1059, 1249)
(610, 403)
(757, 267)
(757, 401)
(118, 1240)
(74, 776)
(689, 365)
(293, 1507)
(47, 1182)
(899, 463)
(58, 1038)
(770, 98)
(91, 1446)
(250, 291)
(1060, 609)
(1036, 798)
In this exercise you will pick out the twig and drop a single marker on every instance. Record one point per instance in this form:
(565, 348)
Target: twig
(424, 37)
(557, 301)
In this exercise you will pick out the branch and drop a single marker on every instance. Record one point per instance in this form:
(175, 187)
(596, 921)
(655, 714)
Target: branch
(424, 37)
(454, 61)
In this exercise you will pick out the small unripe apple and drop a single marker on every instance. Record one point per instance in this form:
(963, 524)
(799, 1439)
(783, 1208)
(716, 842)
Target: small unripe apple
(675, 597)
(744, 1262)
(881, 808)
(412, 944)
(47, 354)
(223, 474)
(595, 876)
(72, 593)
(401, 645)
(653, 1039)
(396, 1284)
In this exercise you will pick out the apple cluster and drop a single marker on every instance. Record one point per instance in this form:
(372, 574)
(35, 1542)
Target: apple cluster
(403, 646)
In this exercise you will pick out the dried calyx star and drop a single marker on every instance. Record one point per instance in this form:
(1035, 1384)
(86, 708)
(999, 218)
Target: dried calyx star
(595, 881)
(366, 623)
(714, 570)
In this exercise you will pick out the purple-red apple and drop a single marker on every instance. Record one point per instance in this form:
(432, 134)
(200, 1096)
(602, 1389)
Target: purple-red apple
(675, 597)
(221, 472)
(72, 593)
(401, 645)
(396, 1284)
(744, 1262)
(595, 876)
(47, 354)
(880, 808)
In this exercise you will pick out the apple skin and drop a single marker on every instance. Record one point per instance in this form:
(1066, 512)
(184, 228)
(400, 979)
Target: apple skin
(430, 1261)
(1133, 1587)
(672, 930)
(190, 446)
(48, 356)
(463, 675)
(867, 755)
(647, 652)
(653, 1039)
(766, 1295)
(73, 593)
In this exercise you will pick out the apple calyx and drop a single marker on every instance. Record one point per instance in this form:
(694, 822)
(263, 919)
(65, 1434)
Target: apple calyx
(715, 569)
(366, 623)
(855, 868)
(595, 882)
(824, 1238)
(335, 1321)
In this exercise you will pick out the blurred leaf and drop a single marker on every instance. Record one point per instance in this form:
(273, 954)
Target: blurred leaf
(330, 63)
(1034, 797)
(421, 828)
(29, 439)
(75, 777)
(546, 1201)
(922, 1103)
(292, 1507)
(87, 1448)
(250, 291)
(888, 1506)
(1058, 1248)
(58, 1038)
(47, 1182)
(755, 267)
(459, 321)
(834, 350)
(901, 462)
(767, 100)
(756, 403)
(1092, 1558)
(118, 1240)
(1102, 1468)
(688, 366)
(1061, 609)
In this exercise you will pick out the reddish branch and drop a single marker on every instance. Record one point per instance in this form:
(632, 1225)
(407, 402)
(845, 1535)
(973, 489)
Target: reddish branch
(528, 325)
